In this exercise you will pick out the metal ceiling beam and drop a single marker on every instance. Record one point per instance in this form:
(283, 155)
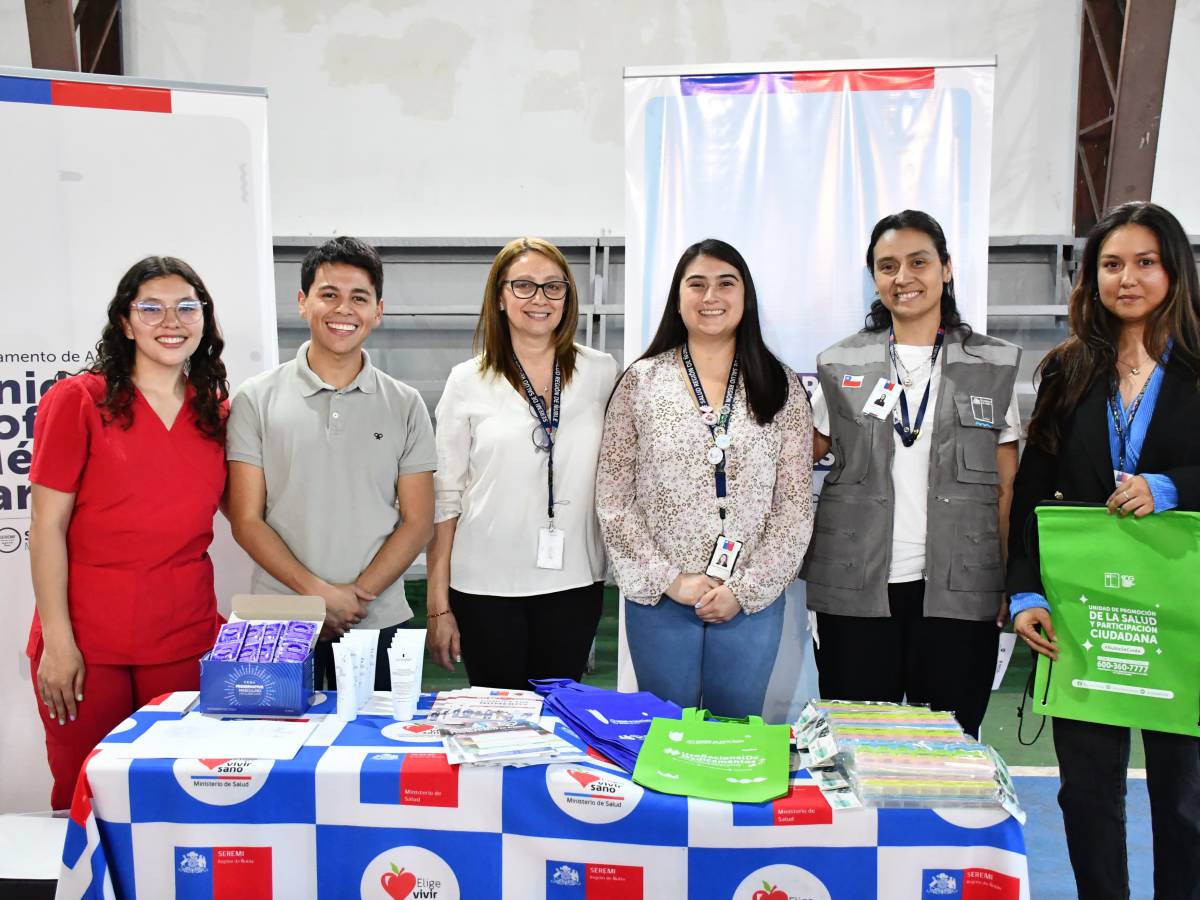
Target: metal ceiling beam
(1143, 74)
(51, 26)
(1124, 47)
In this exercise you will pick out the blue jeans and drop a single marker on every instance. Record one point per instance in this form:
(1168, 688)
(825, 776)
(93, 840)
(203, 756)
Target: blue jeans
(722, 668)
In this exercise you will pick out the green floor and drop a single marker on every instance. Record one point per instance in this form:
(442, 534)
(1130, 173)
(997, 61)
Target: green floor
(999, 726)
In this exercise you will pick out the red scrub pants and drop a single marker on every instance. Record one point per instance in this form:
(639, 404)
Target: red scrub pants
(110, 694)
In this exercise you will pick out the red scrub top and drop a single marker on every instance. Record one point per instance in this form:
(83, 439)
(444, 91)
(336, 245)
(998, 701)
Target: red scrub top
(140, 581)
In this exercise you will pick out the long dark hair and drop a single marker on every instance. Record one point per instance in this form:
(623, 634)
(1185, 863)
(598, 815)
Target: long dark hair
(115, 352)
(1090, 350)
(879, 317)
(766, 381)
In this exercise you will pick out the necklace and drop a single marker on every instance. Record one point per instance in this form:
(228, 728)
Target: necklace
(1133, 370)
(909, 374)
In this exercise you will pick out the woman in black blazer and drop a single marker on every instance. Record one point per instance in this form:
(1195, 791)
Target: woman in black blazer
(1120, 395)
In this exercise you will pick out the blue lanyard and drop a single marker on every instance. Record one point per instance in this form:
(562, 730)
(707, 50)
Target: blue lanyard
(549, 424)
(908, 436)
(1124, 427)
(717, 422)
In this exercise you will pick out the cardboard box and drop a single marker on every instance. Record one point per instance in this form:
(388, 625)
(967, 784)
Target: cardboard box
(262, 689)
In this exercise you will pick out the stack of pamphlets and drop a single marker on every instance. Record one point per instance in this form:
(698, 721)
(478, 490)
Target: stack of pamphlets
(481, 704)
(896, 755)
(610, 722)
(508, 743)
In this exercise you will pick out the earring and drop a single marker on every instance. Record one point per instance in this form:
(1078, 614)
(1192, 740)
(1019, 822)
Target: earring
(501, 307)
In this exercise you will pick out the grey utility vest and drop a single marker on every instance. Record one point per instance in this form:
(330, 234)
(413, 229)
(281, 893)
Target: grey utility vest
(848, 558)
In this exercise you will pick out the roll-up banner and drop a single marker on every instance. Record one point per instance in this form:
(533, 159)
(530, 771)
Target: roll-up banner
(106, 171)
(793, 164)
(1126, 614)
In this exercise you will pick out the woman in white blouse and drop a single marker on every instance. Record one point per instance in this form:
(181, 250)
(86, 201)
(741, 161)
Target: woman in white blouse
(704, 491)
(516, 566)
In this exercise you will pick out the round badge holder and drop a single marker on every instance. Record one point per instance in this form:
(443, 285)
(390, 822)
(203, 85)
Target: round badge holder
(715, 456)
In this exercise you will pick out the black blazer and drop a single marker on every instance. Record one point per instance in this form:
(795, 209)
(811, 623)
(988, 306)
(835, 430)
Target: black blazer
(1082, 470)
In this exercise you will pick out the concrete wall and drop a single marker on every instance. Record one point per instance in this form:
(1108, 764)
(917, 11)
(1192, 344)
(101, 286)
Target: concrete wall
(14, 36)
(472, 117)
(1175, 183)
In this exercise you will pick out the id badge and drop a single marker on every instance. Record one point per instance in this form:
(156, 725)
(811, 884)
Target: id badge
(550, 548)
(882, 399)
(1120, 477)
(724, 557)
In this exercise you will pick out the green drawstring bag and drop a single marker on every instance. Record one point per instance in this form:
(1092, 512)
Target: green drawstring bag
(739, 760)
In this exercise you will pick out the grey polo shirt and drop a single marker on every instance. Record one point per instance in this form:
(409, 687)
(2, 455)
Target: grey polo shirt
(331, 459)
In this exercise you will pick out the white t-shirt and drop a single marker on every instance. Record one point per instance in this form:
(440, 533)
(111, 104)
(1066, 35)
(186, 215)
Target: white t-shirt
(910, 465)
(490, 475)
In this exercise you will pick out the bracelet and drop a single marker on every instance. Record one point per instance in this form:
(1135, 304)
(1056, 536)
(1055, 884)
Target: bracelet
(429, 615)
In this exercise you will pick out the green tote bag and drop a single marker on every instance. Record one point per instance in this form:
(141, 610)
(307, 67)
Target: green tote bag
(1125, 602)
(740, 760)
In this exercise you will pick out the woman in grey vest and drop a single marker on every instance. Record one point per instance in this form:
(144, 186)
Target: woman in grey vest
(704, 491)
(1117, 421)
(905, 571)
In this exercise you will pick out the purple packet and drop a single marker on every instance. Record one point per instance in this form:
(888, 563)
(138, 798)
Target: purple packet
(291, 651)
(254, 632)
(225, 653)
(270, 638)
(301, 630)
(232, 633)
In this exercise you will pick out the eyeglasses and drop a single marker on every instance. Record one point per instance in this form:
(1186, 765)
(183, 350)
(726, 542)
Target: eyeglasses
(188, 312)
(525, 290)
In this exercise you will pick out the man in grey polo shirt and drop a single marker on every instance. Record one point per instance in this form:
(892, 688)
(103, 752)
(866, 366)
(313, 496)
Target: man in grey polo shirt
(331, 461)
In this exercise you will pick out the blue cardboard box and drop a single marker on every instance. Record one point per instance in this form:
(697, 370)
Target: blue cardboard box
(257, 688)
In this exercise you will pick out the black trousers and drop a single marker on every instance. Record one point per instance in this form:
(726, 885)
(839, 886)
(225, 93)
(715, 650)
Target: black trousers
(508, 640)
(323, 663)
(1092, 764)
(947, 663)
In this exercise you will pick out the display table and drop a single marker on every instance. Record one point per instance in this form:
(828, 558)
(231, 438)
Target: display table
(371, 809)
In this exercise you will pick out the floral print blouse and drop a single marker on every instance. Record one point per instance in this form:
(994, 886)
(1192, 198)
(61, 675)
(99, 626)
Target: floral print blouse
(656, 497)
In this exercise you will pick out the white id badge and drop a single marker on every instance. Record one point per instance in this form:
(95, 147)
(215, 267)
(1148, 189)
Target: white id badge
(550, 548)
(1120, 477)
(724, 558)
(882, 399)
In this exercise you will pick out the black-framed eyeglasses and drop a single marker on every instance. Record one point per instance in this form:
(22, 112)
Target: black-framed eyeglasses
(525, 290)
(188, 312)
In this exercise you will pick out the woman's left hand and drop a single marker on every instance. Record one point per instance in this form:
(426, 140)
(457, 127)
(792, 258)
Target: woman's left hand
(717, 606)
(1132, 496)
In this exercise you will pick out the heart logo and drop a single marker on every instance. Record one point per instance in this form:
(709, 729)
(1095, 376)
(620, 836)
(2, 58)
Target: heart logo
(398, 883)
(211, 764)
(675, 735)
(418, 728)
(584, 778)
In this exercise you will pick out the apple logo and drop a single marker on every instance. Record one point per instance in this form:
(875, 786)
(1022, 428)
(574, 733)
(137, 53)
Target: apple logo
(769, 892)
(399, 883)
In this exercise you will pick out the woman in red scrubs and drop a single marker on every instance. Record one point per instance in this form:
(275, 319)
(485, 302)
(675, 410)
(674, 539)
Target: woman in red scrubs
(128, 471)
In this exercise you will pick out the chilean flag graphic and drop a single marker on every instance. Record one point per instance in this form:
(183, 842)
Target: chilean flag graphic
(84, 874)
(852, 381)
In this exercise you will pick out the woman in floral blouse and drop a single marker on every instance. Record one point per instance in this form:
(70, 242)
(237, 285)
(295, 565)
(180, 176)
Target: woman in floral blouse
(706, 454)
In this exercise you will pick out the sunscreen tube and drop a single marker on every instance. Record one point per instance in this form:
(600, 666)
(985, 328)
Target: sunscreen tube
(366, 646)
(343, 671)
(406, 657)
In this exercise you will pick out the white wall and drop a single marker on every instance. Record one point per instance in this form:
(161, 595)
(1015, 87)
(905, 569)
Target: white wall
(14, 36)
(475, 117)
(1175, 183)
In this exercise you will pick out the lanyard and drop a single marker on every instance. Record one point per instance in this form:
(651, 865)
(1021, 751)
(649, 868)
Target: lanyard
(908, 436)
(1124, 427)
(548, 420)
(717, 421)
